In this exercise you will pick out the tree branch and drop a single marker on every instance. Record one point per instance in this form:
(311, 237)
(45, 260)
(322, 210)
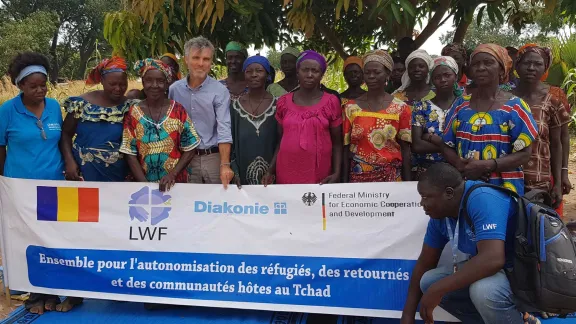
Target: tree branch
(433, 23)
(332, 39)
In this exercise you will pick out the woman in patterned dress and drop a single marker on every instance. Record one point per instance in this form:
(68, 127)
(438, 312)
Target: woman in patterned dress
(429, 120)
(490, 133)
(158, 139)
(254, 128)
(544, 170)
(377, 128)
(96, 119)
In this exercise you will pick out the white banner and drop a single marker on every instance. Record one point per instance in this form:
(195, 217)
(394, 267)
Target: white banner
(339, 249)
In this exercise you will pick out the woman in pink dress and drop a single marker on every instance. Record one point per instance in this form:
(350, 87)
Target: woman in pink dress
(310, 129)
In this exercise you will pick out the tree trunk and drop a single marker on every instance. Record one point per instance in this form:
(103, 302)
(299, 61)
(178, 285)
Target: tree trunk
(332, 39)
(54, 54)
(462, 27)
(85, 55)
(433, 24)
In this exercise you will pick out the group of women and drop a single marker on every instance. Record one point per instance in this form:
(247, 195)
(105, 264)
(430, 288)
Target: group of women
(296, 130)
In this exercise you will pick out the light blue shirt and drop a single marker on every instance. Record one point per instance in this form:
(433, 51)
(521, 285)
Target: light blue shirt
(28, 154)
(209, 108)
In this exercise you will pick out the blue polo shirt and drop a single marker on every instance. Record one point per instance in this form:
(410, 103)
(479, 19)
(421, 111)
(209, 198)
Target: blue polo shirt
(493, 214)
(28, 154)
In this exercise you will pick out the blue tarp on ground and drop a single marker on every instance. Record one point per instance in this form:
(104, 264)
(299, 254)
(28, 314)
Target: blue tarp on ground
(112, 312)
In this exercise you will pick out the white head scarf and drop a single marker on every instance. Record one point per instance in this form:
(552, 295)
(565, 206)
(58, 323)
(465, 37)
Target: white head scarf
(421, 54)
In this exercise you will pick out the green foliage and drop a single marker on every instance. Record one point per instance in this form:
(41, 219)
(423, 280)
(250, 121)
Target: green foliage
(494, 32)
(32, 33)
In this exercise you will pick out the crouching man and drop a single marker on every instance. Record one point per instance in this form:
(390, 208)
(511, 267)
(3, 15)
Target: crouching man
(474, 290)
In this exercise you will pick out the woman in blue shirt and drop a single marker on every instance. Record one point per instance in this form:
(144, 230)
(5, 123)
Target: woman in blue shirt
(30, 127)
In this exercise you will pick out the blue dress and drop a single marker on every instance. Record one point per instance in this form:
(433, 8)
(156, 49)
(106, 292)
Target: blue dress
(98, 138)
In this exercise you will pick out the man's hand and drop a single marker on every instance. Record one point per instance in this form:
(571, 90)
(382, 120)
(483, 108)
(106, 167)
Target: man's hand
(430, 300)
(226, 175)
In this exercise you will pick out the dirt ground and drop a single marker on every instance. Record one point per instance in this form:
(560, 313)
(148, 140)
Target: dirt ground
(569, 211)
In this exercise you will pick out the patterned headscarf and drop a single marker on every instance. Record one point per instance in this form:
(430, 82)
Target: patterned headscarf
(455, 48)
(381, 57)
(545, 52)
(446, 61)
(292, 51)
(114, 64)
(499, 53)
(145, 65)
(314, 56)
(178, 75)
(353, 60)
(417, 54)
(238, 47)
(451, 63)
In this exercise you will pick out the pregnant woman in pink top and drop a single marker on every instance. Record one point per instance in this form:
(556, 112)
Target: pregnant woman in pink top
(310, 127)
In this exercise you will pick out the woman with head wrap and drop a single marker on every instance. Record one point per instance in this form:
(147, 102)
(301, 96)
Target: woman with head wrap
(158, 137)
(490, 133)
(171, 60)
(544, 171)
(30, 128)
(416, 89)
(458, 52)
(429, 122)
(377, 128)
(354, 77)
(288, 59)
(95, 118)
(310, 128)
(254, 128)
(236, 54)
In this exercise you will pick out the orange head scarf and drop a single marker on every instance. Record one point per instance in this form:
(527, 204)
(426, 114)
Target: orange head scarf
(499, 53)
(545, 52)
(113, 64)
(353, 60)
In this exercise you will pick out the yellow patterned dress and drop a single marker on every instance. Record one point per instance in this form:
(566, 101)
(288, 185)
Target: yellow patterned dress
(373, 138)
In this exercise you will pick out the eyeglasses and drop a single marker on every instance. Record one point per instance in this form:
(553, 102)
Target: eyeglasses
(41, 126)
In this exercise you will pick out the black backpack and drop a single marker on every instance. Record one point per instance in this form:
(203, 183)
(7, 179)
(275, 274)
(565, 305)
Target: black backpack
(543, 275)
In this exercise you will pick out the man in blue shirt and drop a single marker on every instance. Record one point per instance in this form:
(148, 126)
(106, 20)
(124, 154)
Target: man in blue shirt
(475, 290)
(207, 102)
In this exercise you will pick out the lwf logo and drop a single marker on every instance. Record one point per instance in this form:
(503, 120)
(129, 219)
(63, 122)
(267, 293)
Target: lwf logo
(149, 205)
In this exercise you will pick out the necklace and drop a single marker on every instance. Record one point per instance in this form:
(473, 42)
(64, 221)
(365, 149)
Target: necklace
(156, 121)
(482, 119)
(370, 106)
(253, 112)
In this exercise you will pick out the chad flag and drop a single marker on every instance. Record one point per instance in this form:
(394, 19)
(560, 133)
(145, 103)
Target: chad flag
(61, 204)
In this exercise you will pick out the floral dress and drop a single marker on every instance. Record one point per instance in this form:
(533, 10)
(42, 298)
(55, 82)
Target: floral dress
(159, 146)
(491, 135)
(432, 120)
(374, 138)
(98, 137)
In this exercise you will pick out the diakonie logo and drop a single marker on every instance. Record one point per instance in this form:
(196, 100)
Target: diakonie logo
(209, 207)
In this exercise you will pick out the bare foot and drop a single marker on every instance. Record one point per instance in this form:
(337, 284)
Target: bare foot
(69, 303)
(50, 303)
(36, 307)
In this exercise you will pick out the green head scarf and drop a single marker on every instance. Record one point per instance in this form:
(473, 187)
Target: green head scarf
(238, 47)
